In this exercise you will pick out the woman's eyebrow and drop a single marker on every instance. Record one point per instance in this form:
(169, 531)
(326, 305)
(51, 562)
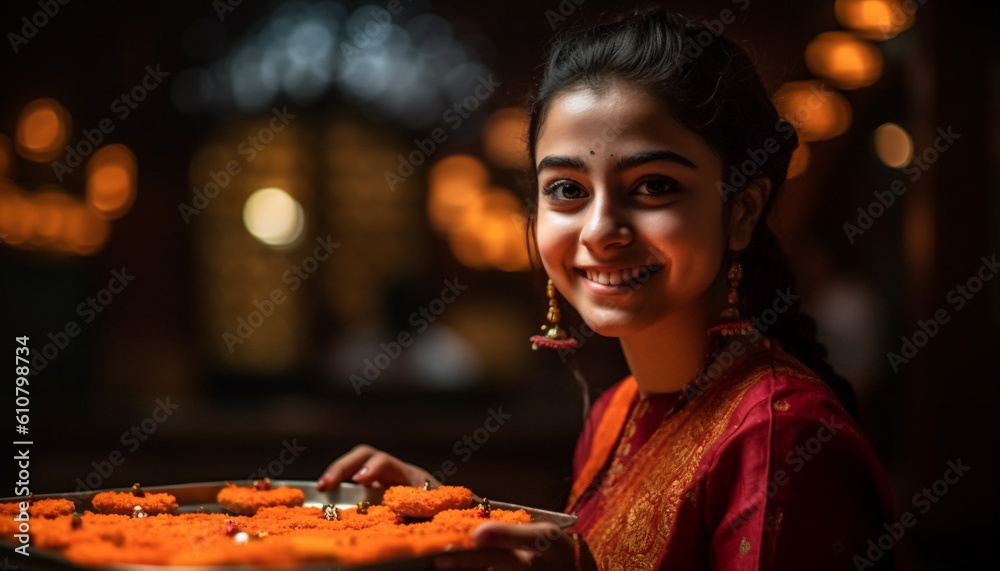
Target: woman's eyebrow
(555, 161)
(641, 158)
(623, 163)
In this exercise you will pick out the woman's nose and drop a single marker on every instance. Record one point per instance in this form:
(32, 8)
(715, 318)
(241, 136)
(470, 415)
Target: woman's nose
(605, 225)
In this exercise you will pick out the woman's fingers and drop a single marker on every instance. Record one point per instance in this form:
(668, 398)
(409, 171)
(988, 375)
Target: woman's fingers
(345, 466)
(366, 465)
(381, 467)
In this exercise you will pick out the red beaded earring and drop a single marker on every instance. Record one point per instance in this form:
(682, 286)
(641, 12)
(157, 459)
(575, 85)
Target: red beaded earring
(555, 337)
(733, 322)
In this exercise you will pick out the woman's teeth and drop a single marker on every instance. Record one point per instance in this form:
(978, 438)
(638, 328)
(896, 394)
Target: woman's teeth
(619, 276)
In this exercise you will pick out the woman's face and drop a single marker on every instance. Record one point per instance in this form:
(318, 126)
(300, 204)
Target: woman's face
(630, 216)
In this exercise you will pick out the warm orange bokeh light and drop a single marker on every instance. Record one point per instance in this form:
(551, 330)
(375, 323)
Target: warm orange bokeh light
(875, 19)
(844, 59)
(49, 219)
(490, 233)
(42, 129)
(51, 208)
(85, 232)
(893, 145)
(505, 139)
(817, 112)
(17, 216)
(799, 162)
(484, 225)
(111, 181)
(455, 184)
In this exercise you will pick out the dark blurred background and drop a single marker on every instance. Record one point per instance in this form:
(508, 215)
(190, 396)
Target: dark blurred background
(244, 237)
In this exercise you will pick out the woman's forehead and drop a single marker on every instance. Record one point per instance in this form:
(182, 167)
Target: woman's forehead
(619, 118)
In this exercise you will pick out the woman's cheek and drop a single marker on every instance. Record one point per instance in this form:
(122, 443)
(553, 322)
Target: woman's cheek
(549, 246)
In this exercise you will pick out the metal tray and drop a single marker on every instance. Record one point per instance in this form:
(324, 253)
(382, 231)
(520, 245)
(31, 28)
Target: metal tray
(192, 497)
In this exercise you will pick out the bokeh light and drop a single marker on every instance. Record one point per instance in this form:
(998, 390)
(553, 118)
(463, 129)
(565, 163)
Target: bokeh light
(485, 225)
(85, 232)
(817, 112)
(275, 218)
(875, 19)
(42, 130)
(893, 145)
(844, 59)
(50, 219)
(455, 183)
(17, 215)
(111, 181)
(505, 139)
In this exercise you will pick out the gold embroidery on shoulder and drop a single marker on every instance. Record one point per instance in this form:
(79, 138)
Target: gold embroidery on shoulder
(781, 405)
(744, 546)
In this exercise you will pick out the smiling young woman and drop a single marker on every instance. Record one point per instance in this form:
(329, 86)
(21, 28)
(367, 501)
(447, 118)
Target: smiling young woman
(729, 445)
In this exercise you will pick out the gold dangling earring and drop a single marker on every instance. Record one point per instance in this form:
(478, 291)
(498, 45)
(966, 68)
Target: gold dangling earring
(555, 337)
(733, 322)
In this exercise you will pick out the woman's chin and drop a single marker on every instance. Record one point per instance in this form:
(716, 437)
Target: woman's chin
(612, 327)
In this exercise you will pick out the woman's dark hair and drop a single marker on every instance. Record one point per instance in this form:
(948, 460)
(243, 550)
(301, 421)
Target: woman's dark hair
(712, 88)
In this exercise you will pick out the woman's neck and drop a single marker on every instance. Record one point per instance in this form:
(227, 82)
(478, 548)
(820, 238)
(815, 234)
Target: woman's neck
(666, 357)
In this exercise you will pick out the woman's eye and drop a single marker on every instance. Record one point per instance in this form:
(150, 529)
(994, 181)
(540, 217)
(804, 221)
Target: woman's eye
(564, 190)
(656, 186)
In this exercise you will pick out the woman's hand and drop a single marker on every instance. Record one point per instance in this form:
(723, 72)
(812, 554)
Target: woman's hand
(368, 466)
(503, 546)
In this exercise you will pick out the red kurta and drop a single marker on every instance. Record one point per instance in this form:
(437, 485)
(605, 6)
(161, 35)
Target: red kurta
(763, 469)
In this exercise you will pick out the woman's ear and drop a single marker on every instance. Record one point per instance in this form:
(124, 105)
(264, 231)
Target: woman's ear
(747, 208)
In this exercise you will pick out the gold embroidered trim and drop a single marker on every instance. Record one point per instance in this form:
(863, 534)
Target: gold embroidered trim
(640, 508)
